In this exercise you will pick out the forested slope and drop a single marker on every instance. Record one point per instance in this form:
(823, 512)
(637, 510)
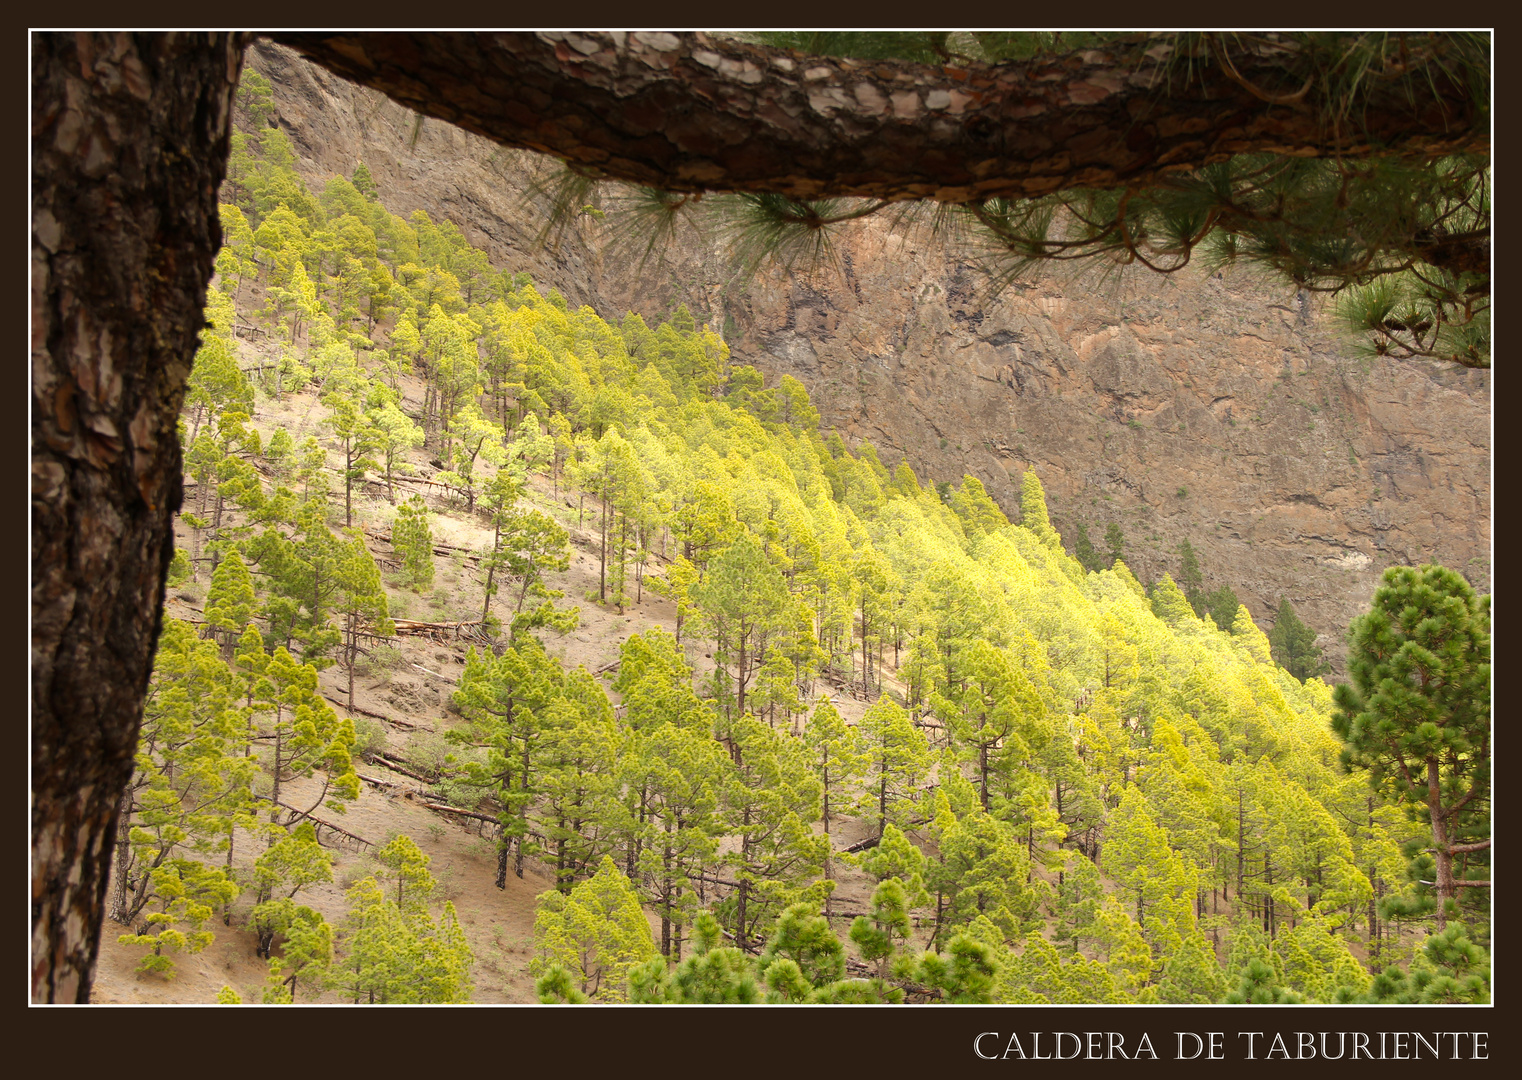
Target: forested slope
(1216, 408)
(868, 740)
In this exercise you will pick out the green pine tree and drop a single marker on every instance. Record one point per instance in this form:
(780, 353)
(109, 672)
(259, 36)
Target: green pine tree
(834, 752)
(1293, 645)
(1170, 604)
(185, 895)
(515, 703)
(597, 933)
(802, 955)
(305, 960)
(742, 598)
(1417, 714)
(285, 868)
(898, 761)
(192, 784)
(1115, 540)
(412, 539)
(979, 513)
(712, 975)
(231, 602)
(1084, 551)
(1191, 580)
(1221, 605)
(364, 182)
(361, 601)
(1033, 515)
(771, 801)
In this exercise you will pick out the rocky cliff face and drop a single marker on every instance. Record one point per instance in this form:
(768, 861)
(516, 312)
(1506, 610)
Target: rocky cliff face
(1210, 408)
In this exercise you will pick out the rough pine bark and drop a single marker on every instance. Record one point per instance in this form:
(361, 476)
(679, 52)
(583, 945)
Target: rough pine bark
(129, 145)
(690, 113)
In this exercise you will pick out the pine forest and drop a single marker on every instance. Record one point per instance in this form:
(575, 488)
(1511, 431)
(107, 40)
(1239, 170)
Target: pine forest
(521, 653)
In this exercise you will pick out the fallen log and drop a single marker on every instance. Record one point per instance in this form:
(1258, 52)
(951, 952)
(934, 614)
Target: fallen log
(317, 823)
(408, 724)
(405, 627)
(391, 761)
(872, 842)
(397, 721)
(375, 760)
(357, 709)
(438, 548)
(431, 483)
(443, 808)
(320, 824)
(917, 920)
(714, 880)
(407, 791)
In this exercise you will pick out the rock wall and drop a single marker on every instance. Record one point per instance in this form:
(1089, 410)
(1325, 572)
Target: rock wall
(1213, 408)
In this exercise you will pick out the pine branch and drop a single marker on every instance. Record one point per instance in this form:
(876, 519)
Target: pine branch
(694, 113)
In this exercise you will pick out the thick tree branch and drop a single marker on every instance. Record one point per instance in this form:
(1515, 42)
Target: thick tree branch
(1461, 253)
(1460, 849)
(686, 112)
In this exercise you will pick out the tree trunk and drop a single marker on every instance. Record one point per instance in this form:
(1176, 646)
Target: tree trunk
(1373, 875)
(491, 565)
(123, 859)
(275, 772)
(351, 653)
(740, 674)
(866, 663)
(686, 112)
(216, 533)
(983, 776)
(639, 568)
(1268, 897)
(1442, 856)
(602, 550)
(623, 560)
(666, 891)
(129, 145)
(1241, 837)
(522, 810)
(744, 893)
(349, 456)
